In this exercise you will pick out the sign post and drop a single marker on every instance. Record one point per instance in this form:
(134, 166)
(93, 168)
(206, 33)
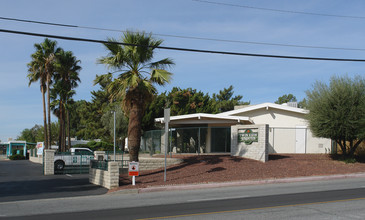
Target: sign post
(133, 170)
(167, 120)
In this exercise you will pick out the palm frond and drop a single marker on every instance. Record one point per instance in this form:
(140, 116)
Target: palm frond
(161, 77)
(161, 64)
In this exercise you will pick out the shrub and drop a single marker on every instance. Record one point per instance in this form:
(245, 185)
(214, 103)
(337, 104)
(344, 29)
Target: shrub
(17, 157)
(337, 111)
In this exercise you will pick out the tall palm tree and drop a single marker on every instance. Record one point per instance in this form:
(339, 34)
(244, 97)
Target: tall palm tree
(41, 68)
(67, 78)
(35, 73)
(135, 85)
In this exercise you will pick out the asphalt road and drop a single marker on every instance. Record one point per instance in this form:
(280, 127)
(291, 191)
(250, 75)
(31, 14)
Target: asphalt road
(212, 207)
(334, 199)
(24, 180)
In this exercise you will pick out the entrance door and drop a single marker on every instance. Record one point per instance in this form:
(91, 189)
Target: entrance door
(300, 139)
(220, 140)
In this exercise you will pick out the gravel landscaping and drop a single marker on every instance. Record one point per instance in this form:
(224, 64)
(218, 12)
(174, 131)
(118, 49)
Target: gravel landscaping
(222, 168)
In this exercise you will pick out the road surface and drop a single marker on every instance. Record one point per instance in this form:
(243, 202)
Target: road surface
(335, 199)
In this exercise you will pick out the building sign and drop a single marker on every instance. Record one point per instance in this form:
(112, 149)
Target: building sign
(248, 136)
(40, 147)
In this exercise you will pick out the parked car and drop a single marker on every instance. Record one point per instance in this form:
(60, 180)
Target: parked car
(75, 157)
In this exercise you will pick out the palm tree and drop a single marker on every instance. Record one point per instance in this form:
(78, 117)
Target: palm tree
(135, 85)
(67, 78)
(41, 68)
(35, 73)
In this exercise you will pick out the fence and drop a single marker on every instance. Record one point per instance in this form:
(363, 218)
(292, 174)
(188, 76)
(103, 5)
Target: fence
(99, 164)
(189, 140)
(119, 157)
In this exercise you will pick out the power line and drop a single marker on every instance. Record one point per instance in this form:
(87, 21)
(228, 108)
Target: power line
(185, 37)
(182, 49)
(280, 10)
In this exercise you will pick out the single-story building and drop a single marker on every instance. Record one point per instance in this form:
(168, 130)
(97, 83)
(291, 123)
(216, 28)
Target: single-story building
(288, 130)
(9, 148)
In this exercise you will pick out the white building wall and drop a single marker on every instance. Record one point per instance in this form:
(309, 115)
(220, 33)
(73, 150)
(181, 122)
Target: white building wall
(282, 140)
(318, 145)
(282, 132)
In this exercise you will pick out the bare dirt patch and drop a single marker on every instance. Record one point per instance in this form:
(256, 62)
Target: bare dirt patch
(205, 169)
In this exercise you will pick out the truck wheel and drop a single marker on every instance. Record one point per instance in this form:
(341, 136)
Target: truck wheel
(59, 165)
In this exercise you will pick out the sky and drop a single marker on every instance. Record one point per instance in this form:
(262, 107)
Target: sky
(257, 79)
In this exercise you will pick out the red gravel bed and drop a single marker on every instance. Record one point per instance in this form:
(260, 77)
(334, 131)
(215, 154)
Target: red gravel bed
(205, 169)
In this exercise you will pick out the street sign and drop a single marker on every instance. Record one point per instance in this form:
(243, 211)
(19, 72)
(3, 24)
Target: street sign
(133, 169)
(166, 115)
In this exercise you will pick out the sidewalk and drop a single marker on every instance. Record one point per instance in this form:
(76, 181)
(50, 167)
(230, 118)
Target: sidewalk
(236, 183)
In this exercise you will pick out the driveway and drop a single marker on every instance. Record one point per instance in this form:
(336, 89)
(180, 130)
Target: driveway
(24, 180)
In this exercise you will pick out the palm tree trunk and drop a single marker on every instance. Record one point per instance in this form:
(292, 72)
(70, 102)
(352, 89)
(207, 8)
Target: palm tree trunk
(68, 128)
(44, 118)
(60, 133)
(64, 130)
(49, 112)
(134, 130)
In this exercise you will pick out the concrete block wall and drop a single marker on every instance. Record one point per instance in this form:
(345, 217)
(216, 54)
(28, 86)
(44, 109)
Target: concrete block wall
(48, 162)
(36, 158)
(106, 178)
(145, 163)
(256, 150)
(156, 163)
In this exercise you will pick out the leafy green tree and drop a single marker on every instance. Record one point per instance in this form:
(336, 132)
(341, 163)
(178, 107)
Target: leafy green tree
(337, 111)
(224, 100)
(42, 68)
(189, 101)
(154, 110)
(303, 104)
(286, 98)
(89, 113)
(135, 86)
(90, 125)
(36, 133)
(121, 124)
(27, 135)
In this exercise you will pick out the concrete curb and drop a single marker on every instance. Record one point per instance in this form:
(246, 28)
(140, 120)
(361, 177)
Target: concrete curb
(239, 183)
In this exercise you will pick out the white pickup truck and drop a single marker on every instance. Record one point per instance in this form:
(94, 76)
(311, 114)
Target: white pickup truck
(75, 157)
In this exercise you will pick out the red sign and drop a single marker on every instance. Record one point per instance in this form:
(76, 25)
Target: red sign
(133, 169)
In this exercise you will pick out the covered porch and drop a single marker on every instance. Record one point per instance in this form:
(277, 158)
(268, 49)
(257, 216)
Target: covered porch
(194, 133)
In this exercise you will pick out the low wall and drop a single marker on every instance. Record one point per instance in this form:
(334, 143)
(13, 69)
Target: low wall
(36, 159)
(151, 164)
(257, 148)
(107, 178)
(156, 163)
(33, 157)
(145, 162)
